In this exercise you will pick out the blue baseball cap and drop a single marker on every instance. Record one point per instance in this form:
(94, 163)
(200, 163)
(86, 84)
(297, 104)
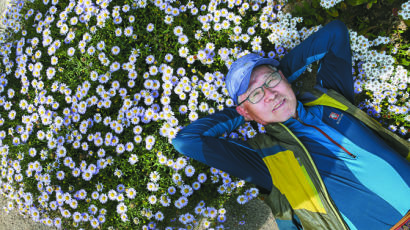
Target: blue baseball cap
(237, 79)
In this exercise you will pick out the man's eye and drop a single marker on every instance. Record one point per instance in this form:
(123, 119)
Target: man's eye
(272, 81)
(256, 93)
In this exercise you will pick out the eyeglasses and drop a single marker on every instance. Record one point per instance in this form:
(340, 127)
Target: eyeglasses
(257, 94)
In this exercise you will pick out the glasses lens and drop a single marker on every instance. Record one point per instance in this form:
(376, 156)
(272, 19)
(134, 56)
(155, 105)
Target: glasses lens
(273, 80)
(256, 95)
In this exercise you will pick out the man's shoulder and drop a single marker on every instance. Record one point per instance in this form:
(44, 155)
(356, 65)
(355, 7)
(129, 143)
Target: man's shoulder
(272, 135)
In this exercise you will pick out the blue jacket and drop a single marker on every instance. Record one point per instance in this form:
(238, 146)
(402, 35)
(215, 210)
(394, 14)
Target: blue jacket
(360, 176)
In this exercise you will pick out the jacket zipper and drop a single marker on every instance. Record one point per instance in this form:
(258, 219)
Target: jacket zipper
(327, 136)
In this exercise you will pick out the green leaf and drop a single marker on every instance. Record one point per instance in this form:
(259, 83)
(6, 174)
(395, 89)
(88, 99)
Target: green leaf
(333, 12)
(369, 5)
(404, 62)
(356, 2)
(316, 3)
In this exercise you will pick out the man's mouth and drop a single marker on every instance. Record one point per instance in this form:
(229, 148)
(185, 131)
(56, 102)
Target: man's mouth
(277, 106)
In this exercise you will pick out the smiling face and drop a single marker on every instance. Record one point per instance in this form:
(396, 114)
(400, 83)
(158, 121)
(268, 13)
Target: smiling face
(277, 105)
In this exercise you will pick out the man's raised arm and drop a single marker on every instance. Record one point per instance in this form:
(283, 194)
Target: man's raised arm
(331, 46)
(202, 141)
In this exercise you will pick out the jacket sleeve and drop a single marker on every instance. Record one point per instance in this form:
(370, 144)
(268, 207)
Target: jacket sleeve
(330, 45)
(202, 141)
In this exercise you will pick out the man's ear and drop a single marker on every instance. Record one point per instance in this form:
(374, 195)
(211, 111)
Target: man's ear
(242, 111)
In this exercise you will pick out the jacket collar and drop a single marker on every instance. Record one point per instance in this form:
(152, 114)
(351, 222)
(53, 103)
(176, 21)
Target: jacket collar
(301, 115)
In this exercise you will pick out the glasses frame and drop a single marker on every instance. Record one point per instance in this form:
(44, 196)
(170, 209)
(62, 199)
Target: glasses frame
(263, 85)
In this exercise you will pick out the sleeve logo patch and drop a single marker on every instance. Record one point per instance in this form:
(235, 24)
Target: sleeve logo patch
(334, 116)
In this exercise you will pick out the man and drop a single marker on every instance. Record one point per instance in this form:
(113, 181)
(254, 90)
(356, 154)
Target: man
(327, 164)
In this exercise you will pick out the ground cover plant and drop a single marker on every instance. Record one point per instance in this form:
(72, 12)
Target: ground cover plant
(92, 93)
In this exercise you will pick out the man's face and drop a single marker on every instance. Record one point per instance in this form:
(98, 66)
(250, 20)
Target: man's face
(277, 105)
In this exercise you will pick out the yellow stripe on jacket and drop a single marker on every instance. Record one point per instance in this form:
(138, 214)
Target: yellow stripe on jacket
(293, 181)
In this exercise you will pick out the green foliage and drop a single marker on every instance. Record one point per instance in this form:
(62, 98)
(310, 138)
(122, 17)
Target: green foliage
(368, 17)
(402, 47)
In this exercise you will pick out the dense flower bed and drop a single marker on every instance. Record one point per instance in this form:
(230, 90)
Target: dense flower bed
(92, 93)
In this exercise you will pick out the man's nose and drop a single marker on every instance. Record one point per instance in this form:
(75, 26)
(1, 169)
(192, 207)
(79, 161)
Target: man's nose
(270, 94)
